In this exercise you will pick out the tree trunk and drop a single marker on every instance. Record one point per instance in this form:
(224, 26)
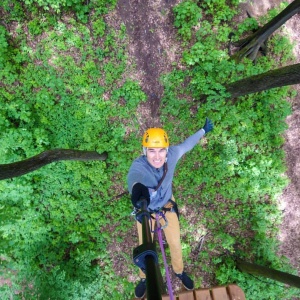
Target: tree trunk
(254, 269)
(276, 78)
(250, 45)
(44, 158)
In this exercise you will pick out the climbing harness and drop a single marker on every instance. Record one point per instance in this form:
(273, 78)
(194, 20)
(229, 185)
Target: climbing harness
(171, 206)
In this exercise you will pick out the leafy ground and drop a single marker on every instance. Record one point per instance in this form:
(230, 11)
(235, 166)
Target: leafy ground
(154, 46)
(290, 228)
(153, 49)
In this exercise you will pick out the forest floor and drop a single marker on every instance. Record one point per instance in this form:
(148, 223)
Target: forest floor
(289, 201)
(153, 47)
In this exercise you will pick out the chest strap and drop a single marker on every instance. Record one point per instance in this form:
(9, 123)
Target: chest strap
(163, 177)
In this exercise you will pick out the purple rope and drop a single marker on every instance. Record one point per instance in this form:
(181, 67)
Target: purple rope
(159, 234)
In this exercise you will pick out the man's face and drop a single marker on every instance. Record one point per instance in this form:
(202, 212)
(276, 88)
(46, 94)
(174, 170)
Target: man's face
(156, 156)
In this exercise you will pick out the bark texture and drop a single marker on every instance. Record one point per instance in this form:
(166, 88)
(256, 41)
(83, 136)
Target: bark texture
(288, 75)
(31, 164)
(254, 269)
(249, 46)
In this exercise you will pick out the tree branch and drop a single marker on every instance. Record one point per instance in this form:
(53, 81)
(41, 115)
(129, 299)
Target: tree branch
(44, 158)
(288, 75)
(255, 41)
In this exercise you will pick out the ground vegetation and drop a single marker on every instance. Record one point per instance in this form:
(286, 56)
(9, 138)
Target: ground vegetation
(75, 75)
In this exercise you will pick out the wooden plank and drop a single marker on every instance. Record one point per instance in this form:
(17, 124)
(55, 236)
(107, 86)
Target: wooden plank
(186, 295)
(203, 294)
(219, 293)
(163, 297)
(235, 292)
(231, 292)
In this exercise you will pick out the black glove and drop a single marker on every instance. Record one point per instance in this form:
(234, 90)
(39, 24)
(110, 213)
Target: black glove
(139, 191)
(208, 126)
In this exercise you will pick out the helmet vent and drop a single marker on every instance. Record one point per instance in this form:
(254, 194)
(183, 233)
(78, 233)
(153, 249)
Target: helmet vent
(155, 137)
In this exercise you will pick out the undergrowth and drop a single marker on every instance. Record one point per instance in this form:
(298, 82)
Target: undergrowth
(65, 84)
(234, 178)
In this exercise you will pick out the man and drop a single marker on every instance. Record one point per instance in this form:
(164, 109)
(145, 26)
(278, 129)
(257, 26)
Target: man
(150, 176)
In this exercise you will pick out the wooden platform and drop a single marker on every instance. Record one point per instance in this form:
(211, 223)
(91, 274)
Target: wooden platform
(230, 292)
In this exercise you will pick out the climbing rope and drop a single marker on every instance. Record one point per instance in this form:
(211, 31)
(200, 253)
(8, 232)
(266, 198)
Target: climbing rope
(160, 240)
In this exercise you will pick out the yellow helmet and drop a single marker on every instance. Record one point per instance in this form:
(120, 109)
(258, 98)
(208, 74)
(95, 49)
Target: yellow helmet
(155, 138)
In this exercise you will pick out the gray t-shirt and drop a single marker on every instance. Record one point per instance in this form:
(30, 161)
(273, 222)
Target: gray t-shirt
(141, 171)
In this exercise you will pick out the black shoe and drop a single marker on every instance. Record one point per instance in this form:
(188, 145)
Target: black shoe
(140, 289)
(186, 280)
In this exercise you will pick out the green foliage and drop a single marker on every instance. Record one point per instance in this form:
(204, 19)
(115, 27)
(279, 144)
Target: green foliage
(236, 176)
(34, 28)
(54, 221)
(187, 14)
(3, 46)
(248, 25)
(99, 27)
(220, 10)
(66, 85)
(17, 10)
(130, 92)
(13, 9)
(254, 286)
(281, 48)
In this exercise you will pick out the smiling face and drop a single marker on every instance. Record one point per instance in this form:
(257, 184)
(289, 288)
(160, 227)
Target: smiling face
(156, 156)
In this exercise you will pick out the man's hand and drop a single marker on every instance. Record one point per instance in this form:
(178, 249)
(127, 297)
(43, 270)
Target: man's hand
(208, 126)
(139, 191)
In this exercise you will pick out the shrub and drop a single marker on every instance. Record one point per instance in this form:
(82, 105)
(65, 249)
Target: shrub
(187, 14)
